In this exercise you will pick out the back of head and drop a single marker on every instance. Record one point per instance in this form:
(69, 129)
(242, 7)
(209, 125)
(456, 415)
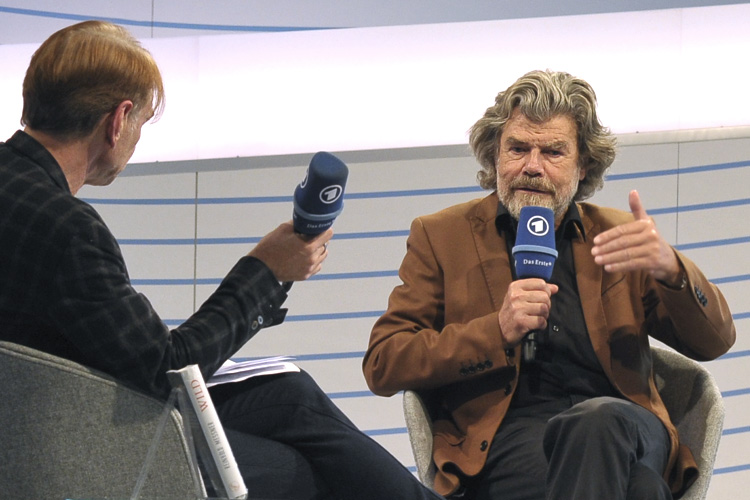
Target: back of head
(81, 73)
(540, 95)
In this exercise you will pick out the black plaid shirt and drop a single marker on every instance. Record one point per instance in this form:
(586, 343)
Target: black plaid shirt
(64, 287)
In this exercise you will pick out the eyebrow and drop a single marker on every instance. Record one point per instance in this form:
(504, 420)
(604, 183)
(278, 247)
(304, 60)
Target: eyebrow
(512, 141)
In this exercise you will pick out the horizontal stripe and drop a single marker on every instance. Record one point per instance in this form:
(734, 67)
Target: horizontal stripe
(325, 356)
(699, 207)
(252, 240)
(735, 468)
(378, 313)
(330, 355)
(254, 200)
(348, 276)
(333, 316)
(678, 171)
(730, 279)
(308, 317)
(386, 432)
(315, 357)
(217, 281)
(736, 430)
(736, 354)
(404, 430)
(351, 394)
(735, 392)
(713, 243)
(158, 24)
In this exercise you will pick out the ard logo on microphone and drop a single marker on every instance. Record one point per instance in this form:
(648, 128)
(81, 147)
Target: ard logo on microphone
(538, 225)
(331, 194)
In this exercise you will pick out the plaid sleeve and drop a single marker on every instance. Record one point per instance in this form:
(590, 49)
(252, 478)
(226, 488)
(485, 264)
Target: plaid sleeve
(118, 331)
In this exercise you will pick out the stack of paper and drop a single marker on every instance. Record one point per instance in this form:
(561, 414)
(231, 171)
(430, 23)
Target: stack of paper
(232, 371)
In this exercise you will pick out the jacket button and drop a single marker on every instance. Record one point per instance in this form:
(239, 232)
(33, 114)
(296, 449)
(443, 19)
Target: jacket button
(484, 446)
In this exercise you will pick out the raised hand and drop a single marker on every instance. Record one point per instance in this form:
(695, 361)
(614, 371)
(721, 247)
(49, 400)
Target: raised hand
(637, 245)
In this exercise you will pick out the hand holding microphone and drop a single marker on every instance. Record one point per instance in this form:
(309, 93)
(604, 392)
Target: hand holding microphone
(319, 198)
(527, 303)
(295, 250)
(289, 257)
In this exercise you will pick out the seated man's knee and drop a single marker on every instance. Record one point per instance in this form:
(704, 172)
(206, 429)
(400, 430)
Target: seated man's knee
(647, 484)
(590, 417)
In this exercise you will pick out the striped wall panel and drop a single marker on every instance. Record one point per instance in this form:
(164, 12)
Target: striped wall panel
(181, 231)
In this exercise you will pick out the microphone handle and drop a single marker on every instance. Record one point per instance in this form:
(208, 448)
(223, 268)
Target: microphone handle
(528, 347)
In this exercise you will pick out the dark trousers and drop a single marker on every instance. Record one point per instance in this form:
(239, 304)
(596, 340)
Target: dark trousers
(291, 442)
(601, 448)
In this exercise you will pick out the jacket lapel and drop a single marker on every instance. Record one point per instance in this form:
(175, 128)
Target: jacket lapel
(491, 249)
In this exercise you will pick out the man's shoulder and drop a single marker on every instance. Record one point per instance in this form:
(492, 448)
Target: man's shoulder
(32, 201)
(603, 217)
(482, 208)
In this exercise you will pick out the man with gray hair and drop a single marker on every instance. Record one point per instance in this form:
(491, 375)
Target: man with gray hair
(583, 420)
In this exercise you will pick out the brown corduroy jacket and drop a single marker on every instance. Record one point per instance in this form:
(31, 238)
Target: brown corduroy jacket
(442, 321)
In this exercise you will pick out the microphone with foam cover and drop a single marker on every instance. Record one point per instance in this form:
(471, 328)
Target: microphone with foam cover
(319, 198)
(534, 254)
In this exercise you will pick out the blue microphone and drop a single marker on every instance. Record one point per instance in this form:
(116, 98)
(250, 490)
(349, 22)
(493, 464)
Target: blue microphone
(319, 198)
(534, 254)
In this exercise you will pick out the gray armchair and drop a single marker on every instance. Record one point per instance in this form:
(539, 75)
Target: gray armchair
(686, 387)
(70, 432)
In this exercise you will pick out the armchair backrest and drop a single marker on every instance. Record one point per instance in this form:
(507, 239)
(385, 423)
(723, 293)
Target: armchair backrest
(694, 402)
(68, 431)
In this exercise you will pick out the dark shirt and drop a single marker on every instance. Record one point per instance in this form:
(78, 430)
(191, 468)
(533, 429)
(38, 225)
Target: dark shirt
(566, 366)
(65, 290)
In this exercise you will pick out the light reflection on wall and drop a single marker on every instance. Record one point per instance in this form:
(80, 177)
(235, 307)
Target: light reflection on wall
(406, 86)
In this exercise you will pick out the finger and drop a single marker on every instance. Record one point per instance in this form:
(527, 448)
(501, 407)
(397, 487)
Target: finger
(636, 207)
(322, 238)
(530, 284)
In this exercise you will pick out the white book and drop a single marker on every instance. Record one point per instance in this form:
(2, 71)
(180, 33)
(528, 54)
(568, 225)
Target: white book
(211, 440)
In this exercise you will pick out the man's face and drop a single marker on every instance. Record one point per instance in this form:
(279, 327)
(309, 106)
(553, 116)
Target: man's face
(537, 164)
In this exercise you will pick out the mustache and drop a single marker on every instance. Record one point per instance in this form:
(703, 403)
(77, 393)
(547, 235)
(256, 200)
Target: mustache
(535, 183)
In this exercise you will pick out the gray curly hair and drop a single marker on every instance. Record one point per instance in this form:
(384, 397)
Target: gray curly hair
(540, 95)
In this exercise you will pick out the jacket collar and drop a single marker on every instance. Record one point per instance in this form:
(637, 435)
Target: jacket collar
(29, 147)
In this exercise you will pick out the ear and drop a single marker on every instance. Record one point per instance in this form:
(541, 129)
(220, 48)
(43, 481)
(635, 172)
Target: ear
(581, 173)
(117, 121)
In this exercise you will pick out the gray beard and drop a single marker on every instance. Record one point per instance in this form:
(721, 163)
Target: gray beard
(514, 203)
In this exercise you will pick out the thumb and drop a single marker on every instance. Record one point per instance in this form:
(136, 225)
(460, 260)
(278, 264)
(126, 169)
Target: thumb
(636, 207)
